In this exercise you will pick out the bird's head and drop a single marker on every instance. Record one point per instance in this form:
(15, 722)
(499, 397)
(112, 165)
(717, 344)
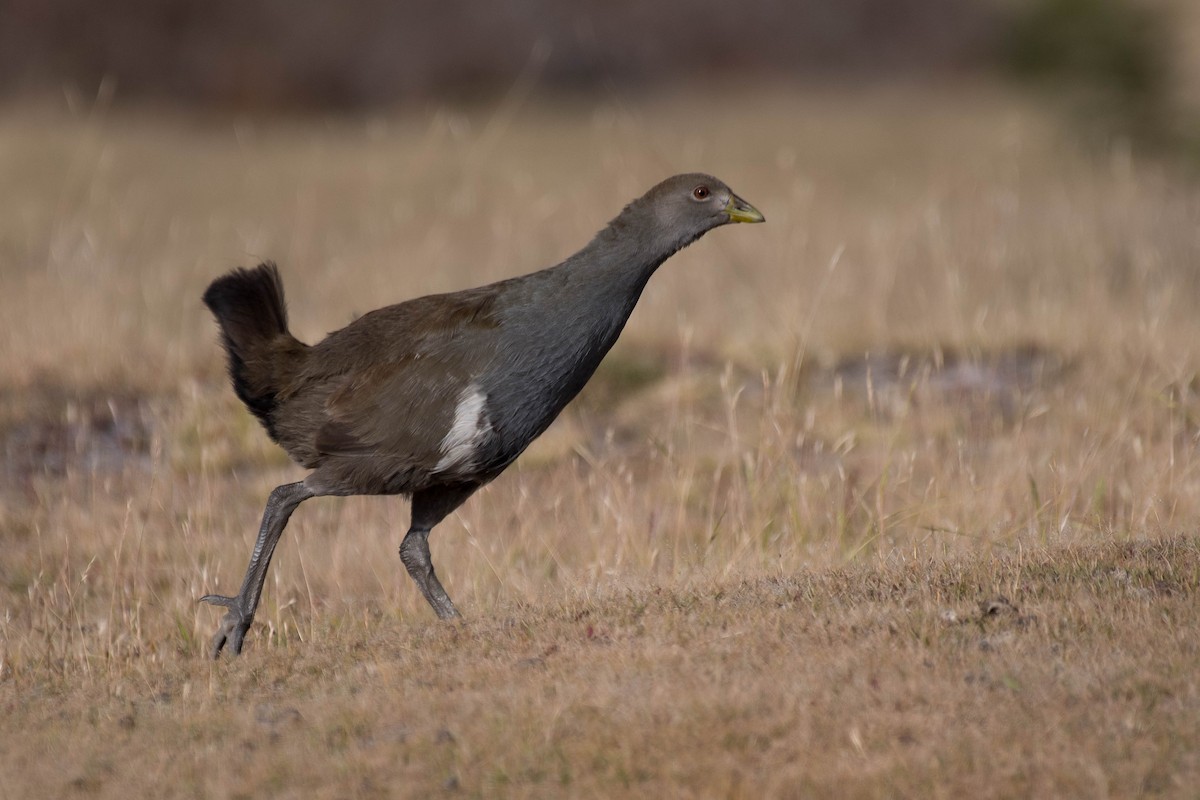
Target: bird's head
(685, 207)
(669, 217)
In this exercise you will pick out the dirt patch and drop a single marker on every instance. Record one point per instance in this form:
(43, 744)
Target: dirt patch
(997, 380)
(50, 429)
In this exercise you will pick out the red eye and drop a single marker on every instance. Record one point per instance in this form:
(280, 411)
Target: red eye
(700, 193)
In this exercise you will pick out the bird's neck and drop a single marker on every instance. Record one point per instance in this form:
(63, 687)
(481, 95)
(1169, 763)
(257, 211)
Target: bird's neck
(626, 252)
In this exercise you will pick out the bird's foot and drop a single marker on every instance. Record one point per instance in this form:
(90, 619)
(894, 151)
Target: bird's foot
(233, 626)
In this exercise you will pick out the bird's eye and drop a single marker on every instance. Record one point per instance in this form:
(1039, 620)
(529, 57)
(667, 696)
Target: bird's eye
(700, 193)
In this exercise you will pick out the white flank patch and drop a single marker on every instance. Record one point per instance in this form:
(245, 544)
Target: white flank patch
(468, 429)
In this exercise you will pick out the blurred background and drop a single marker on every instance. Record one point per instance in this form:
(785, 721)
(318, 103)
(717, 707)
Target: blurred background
(1137, 60)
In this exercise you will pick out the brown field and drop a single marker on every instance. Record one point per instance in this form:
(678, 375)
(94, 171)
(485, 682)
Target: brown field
(895, 495)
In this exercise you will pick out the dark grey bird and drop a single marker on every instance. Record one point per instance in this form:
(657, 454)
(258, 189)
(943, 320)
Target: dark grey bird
(434, 397)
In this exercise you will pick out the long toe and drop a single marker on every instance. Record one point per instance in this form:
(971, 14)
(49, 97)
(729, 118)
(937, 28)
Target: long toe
(220, 600)
(234, 625)
(231, 633)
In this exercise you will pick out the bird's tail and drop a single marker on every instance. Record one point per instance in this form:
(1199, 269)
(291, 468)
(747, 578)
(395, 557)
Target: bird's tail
(263, 354)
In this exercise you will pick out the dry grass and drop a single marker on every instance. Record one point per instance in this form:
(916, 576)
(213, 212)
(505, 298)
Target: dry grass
(894, 495)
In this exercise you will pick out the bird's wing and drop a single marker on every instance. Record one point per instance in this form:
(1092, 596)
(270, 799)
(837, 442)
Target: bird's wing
(400, 401)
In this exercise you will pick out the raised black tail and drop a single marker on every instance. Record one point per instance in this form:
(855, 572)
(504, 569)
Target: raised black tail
(249, 307)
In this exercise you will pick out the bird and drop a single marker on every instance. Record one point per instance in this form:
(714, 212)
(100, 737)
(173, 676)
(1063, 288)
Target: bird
(434, 397)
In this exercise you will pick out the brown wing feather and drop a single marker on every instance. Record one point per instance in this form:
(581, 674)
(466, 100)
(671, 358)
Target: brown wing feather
(395, 403)
(396, 410)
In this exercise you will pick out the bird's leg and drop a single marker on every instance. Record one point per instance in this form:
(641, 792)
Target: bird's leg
(237, 620)
(429, 508)
(414, 552)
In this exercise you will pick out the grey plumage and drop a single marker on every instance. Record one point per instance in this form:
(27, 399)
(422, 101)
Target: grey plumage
(434, 397)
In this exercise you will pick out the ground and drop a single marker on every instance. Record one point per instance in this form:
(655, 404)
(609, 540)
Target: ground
(895, 495)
